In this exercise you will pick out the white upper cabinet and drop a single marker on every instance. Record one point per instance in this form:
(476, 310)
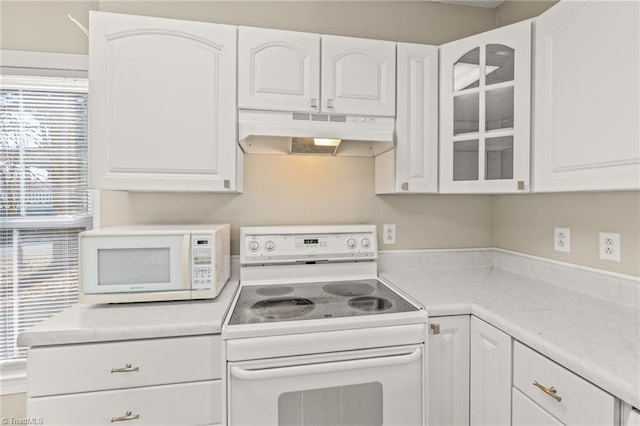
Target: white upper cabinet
(587, 63)
(163, 104)
(358, 76)
(278, 70)
(293, 71)
(485, 104)
(413, 166)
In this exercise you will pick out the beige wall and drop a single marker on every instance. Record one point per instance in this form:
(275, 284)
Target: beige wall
(525, 223)
(311, 190)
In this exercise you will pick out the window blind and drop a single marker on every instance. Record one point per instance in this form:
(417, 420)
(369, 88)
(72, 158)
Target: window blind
(44, 200)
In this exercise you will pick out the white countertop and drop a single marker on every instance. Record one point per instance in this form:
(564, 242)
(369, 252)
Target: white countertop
(108, 322)
(596, 338)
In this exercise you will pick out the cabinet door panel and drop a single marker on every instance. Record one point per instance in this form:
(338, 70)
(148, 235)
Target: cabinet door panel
(278, 70)
(417, 118)
(162, 104)
(449, 371)
(358, 76)
(485, 104)
(490, 375)
(586, 97)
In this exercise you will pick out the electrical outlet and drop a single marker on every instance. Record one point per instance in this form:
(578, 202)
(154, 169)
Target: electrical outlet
(389, 234)
(610, 246)
(562, 239)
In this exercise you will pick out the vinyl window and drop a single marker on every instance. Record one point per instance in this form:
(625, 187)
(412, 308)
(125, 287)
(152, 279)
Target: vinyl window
(44, 200)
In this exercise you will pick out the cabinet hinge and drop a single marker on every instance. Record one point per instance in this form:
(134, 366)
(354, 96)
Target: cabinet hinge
(227, 184)
(435, 328)
(405, 186)
(520, 185)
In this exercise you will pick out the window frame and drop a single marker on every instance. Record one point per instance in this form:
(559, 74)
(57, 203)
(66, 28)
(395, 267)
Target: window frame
(13, 373)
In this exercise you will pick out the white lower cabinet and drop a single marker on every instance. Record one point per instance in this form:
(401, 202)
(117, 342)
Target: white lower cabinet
(169, 381)
(490, 399)
(528, 413)
(557, 392)
(182, 404)
(448, 379)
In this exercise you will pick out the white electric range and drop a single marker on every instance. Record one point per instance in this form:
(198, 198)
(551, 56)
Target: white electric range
(313, 336)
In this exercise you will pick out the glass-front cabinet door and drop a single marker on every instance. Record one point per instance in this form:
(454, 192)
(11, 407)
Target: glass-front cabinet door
(485, 103)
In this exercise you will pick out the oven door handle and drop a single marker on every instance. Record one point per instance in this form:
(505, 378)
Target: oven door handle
(326, 367)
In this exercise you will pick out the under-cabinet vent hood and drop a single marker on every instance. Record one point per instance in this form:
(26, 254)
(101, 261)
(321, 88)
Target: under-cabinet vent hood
(276, 132)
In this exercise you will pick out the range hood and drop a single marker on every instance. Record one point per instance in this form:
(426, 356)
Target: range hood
(279, 132)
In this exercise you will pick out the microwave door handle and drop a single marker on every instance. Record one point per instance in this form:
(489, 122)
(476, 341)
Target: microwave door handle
(329, 367)
(186, 255)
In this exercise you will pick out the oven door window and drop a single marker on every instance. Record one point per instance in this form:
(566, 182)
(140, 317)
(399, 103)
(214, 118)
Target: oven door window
(359, 404)
(369, 387)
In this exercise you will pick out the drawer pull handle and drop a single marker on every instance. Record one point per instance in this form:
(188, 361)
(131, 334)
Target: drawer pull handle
(126, 369)
(127, 416)
(552, 392)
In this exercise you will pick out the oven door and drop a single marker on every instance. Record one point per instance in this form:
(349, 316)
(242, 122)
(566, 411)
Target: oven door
(369, 387)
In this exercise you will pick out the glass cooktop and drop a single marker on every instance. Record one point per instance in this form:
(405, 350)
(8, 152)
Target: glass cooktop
(317, 300)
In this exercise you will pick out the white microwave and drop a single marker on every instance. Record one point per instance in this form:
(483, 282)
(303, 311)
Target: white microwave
(153, 263)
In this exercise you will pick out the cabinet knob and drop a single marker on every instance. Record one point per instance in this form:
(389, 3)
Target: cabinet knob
(127, 416)
(552, 392)
(329, 103)
(435, 328)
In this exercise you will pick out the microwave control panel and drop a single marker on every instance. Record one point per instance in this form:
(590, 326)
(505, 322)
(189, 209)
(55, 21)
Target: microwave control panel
(202, 262)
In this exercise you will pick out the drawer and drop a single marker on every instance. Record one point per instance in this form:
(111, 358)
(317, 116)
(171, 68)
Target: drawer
(580, 401)
(525, 412)
(182, 404)
(66, 369)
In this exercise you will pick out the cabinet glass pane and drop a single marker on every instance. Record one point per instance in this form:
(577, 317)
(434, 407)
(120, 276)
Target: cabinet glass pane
(466, 113)
(465, 160)
(499, 108)
(499, 158)
(466, 72)
(341, 405)
(500, 65)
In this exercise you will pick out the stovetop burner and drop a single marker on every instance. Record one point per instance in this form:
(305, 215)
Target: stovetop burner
(369, 303)
(282, 308)
(274, 290)
(348, 288)
(316, 300)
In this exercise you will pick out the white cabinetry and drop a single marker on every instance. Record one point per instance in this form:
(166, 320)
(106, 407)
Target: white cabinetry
(413, 166)
(490, 375)
(155, 381)
(586, 111)
(358, 76)
(163, 105)
(555, 391)
(485, 103)
(292, 71)
(278, 70)
(448, 392)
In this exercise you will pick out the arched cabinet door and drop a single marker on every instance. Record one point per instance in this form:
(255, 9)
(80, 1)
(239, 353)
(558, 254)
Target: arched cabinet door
(278, 70)
(162, 104)
(485, 104)
(358, 76)
(587, 105)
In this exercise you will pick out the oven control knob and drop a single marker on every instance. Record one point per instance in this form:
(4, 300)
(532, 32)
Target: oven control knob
(365, 242)
(351, 243)
(254, 245)
(269, 245)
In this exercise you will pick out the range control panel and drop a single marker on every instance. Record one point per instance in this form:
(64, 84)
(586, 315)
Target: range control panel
(313, 243)
(202, 262)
